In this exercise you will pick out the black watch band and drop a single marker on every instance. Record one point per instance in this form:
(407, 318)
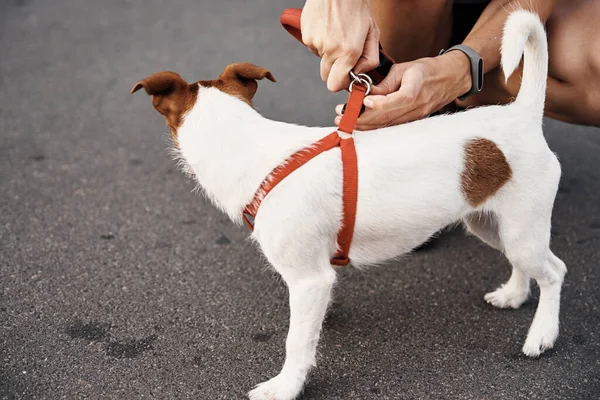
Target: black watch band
(476, 68)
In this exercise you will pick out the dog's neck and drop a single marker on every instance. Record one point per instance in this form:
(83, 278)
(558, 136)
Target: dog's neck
(229, 148)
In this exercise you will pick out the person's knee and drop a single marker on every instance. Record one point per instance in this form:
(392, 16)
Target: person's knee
(573, 93)
(593, 87)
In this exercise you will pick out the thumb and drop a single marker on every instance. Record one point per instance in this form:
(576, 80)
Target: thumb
(392, 81)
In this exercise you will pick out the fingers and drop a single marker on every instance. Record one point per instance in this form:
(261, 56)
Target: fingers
(410, 85)
(370, 118)
(412, 80)
(326, 63)
(396, 101)
(411, 91)
(314, 51)
(392, 81)
(336, 72)
(369, 123)
(340, 32)
(338, 78)
(375, 119)
(370, 57)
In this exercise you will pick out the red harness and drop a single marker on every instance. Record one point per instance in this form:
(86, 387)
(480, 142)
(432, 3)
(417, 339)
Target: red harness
(350, 173)
(290, 19)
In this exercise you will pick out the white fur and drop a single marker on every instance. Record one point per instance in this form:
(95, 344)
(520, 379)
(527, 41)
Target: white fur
(409, 188)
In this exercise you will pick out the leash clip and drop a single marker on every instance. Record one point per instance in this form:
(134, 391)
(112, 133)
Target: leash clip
(362, 79)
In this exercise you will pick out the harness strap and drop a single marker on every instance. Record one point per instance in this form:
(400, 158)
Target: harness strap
(350, 173)
(294, 162)
(349, 168)
(343, 137)
(353, 109)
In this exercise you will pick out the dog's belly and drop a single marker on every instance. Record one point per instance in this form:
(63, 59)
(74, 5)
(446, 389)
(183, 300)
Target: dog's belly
(392, 222)
(407, 192)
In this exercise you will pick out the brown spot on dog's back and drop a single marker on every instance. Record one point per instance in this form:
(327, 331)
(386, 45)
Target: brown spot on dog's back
(485, 171)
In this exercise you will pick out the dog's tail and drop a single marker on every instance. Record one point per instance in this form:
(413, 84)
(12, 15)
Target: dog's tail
(524, 35)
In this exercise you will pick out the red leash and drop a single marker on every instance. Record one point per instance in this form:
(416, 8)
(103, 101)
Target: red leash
(359, 88)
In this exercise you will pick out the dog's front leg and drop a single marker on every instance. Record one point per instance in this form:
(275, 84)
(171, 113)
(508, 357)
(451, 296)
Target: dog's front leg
(310, 292)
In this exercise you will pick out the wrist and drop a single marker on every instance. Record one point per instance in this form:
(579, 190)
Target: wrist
(458, 70)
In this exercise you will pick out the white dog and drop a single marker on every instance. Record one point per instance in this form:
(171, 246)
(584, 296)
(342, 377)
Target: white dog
(489, 167)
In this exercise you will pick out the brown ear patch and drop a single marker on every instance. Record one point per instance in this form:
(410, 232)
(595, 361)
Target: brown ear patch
(160, 83)
(246, 71)
(485, 171)
(239, 80)
(171, 96)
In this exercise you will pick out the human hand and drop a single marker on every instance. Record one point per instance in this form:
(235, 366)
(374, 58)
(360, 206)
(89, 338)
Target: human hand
(413, 90)
(344, 34)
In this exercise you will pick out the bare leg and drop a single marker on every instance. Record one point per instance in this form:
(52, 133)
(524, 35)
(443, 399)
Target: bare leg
(573, 93)
(412, 29)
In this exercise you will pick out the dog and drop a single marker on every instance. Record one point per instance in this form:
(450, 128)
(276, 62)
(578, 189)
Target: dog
(489, 167)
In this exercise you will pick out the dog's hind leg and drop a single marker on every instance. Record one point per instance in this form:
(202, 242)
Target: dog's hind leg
(515, 291)
(548, 271)
(485, 227)
(524, 226)
(310, 292)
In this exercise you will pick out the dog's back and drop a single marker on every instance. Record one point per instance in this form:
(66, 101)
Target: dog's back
(418, 177)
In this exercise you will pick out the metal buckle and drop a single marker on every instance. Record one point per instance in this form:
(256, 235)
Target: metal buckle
(363, 79)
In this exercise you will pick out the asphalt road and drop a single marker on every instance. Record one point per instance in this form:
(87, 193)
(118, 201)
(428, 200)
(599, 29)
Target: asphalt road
(118, 282)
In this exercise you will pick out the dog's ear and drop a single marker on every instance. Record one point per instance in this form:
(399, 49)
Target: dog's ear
(160, 83)
(239, 80)
(171, 95)
(246, 71)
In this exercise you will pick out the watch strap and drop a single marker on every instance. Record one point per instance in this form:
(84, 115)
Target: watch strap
(476, 68)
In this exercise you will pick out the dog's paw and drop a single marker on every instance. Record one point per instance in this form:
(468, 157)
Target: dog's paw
(278, 388)
(507, 296)
(540, 339)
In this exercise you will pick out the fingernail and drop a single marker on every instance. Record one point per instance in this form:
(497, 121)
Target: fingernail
(368, 102)
(338, 109)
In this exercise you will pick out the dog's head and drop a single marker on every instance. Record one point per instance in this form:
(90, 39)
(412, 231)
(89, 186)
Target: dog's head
(173, 97)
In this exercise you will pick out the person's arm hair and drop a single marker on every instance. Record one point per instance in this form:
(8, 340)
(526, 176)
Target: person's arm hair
(486, 36)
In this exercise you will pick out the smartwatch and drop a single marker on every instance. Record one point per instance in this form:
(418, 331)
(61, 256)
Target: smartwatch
(476, 68)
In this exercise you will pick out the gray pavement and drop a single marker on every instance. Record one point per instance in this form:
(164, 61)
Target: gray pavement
(118, 282)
